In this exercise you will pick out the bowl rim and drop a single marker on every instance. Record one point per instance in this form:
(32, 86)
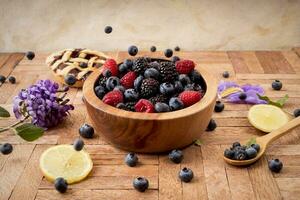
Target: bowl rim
(208, 98)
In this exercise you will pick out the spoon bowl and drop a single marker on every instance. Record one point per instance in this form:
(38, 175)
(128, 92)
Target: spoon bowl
(264, 141)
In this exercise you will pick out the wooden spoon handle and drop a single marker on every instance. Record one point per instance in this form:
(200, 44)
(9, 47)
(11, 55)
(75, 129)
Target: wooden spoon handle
(270, 137)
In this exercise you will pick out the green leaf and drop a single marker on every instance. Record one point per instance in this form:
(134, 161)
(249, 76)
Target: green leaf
(29, 132)
(250, 142)
(198, 142)
(4, 112)
(279, 103)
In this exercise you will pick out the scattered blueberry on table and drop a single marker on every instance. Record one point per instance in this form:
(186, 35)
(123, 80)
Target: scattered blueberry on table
(176, 156)
(212, 125)
(297, 112)
(78, 144)
(276, 85)
(30, 55)
(275, 165)
(186, 175)
(61, 185)
(86, 131)
(2, 79)
(225, 74)
(219, 107)
(12, 79)
(141, 184)
(6, 148)
(131, 159)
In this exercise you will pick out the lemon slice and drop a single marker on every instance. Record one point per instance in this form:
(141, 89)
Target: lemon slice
(267, 117)
(230, 91)
(64, 161)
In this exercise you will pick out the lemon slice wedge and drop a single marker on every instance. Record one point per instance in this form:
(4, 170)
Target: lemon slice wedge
(64, 161)
(267, 117)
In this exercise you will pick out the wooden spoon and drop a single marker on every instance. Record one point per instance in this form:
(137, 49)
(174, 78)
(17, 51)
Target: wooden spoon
(264, 141)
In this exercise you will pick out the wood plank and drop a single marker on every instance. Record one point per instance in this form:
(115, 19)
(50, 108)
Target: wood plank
(252, 62)
(11, 63)
(288, 172)
(97, 194)
(287, 160)
(3, 58)
(289, 150)
(293, 59)
(13, 168)
(196, 189)
(118, 159)
(29, 181)
(268, 76)
(170, 186)
(215, 174)
(297, 50)
(263, 183)
(289, 188)
(238, 62)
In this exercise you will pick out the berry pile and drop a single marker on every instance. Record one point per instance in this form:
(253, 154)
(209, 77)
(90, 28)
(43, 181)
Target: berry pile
(150, 85)
(239, 152)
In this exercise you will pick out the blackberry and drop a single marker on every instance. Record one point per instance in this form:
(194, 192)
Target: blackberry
(158, 98)
(129, 106)
(102, 81)
(149, 87)
(168, 71)
(139, 65)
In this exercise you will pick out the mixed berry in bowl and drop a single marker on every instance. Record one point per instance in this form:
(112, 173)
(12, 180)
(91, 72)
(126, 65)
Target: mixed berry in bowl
(150, 85)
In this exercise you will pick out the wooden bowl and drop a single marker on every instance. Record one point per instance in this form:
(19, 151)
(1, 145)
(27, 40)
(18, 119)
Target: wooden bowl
(150, 132)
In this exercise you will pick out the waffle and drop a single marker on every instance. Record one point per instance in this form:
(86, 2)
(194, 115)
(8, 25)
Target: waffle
(77, 62)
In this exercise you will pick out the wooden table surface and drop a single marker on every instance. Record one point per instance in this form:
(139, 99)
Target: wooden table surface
(20, 177)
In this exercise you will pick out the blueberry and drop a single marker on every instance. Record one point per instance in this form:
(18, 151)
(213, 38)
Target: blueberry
(276, 85)
(175, 103)
(174, 59)
(228, 153)
(107, 73)
(176, 156)
(240, 155)
(131, 95)
(161, 107)
(112, 82)
(121, 106)
(78, 144)
(152, 48)
(100, 91)
(196, 77)
(30, 55)
(275, 165)
(166, 88)
(131, 159)
(184, 79)
(61, 185)
(177, 48)
(236, 144)
(251, 152)
(128, 63)
(225, 74)
(189, 87)
(132, 50)
(108, 29)
(297, 112)
(212, 125)
(140, 184)
(219, 107)
(6, 148)
(242, 96)
(70, 79)
(151, 73)
(83, 65)
(138, 82)
(186, 175)
(256, 147)
(12, 79)
(120, 88)
(86, 131)
(2, 79)
(178, 86)
(168, 53)
(123, 68)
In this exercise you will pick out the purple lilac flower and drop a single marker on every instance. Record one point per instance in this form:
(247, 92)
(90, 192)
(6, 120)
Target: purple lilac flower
(41, 104)
(250, 90)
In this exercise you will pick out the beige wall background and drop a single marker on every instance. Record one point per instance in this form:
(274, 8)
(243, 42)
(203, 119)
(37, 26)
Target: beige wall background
(47, 25)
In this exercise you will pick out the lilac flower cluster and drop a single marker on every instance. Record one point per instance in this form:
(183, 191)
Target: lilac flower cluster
(41, 103)
(251, 92)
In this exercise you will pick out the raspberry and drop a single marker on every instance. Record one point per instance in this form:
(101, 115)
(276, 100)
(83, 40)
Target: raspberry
(185, 66)
(113, 98)
(143, 105)
(128, 79)
(190, 97)
(111, 65)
